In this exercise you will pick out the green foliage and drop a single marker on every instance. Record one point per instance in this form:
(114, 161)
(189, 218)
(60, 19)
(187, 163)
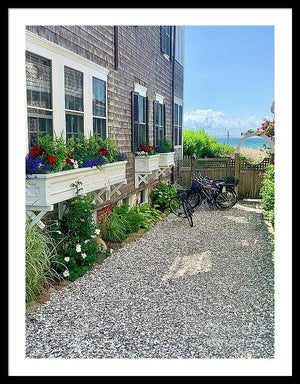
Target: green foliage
(267, 193)
(40, 250)
(124, 220)
(203, 145)
(75, 233)
(165, 145)
(161, 196)
(149, 215)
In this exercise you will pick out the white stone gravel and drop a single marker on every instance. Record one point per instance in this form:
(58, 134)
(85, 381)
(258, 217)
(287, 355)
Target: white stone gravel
(176, 292)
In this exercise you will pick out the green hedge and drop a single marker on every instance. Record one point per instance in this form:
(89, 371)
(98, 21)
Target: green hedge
(203, 145)
(267, 193)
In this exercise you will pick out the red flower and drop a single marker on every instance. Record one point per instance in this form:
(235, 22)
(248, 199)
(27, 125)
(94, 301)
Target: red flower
(51, 159)
(103, 151)
(68, 161)
(33, 153)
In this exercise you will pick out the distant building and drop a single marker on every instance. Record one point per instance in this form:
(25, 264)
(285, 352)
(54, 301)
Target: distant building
(273, 108)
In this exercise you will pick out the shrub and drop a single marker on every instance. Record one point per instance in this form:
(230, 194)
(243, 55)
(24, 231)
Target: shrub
(161, 196)
(75, 233)
(267, 193)
(40, 250)
(149, 215)
(203, 145)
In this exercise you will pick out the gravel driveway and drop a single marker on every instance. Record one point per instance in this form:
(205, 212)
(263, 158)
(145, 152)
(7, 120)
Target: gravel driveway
(176, 292)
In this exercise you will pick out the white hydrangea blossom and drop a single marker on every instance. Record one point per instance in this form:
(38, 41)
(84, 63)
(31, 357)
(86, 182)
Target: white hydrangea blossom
(67, 259)
(83, 255)
(66, 273)
(78, 248)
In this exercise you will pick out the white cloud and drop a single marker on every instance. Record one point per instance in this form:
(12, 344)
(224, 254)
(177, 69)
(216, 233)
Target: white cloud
(216, 123)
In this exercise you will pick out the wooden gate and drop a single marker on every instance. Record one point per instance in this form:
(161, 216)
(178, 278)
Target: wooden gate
(216, 168)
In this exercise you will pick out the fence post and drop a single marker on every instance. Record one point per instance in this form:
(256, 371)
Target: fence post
(228, 164)
(193, 166)
(272, 158)
(237, 170)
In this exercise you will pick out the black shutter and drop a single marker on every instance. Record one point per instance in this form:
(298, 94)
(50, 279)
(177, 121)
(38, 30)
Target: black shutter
(135, 121)
(147, 118)
(155, 123)
(162, 40)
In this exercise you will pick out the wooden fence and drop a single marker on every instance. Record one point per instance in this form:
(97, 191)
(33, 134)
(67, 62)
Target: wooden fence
(249, 180)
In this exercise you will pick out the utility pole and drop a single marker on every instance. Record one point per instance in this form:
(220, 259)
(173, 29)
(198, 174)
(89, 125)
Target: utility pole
(227, 136)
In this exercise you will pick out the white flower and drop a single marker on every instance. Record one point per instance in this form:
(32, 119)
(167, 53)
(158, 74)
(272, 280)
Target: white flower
(97, 231)
(83, 255)
(66, 259)
(78, 248)
(58, 232)
(111, 250)
(93, 236)
(66, 273)
(75, 164)
(86, 241)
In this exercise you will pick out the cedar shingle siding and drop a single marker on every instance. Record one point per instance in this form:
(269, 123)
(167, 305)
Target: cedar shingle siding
(140, 60)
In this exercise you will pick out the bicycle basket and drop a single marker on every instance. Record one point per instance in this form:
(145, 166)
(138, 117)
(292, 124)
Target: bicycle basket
(231, 180)
(182, 193)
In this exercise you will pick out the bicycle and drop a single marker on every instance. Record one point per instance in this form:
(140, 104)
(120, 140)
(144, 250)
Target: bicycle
(180, 206)
(219, 192)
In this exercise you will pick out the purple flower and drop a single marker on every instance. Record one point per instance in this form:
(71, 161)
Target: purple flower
(122, 157)
(34, 165)
(94, 162)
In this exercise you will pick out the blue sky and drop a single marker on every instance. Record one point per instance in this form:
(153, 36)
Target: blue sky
(228, 78)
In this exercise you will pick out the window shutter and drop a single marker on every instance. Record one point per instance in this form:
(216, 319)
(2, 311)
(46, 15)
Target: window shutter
(135, 120)
(155, 121)
(147, 119)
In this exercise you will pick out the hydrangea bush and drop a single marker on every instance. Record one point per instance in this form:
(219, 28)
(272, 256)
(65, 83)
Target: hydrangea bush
(75, 234)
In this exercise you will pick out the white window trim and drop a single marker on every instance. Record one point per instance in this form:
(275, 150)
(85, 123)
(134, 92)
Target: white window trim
(141, 90)
(159, 98)
(178, 101)
(61, 57)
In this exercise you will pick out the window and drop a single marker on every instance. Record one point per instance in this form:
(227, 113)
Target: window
(159, 119)
(99, 108)
(39, 97)
(140, 132)
(142, 196)
(165, 39)
(73, 102)
(179, 44)
(178, 124)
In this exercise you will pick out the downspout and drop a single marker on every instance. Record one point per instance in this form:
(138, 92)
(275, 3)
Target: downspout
(116, 46)
(172, 97)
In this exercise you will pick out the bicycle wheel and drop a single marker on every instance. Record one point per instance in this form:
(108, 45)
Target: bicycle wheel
(226, 200)
(195, 200)
(188, 212)
(176, 207)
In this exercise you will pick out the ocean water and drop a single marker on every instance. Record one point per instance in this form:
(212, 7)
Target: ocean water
(252, 142)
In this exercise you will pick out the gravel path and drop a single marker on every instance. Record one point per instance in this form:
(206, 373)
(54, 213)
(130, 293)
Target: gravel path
(176, 292)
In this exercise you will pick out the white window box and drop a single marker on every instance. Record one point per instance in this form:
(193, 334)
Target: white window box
(145, 168)
(146, 164)
(166, 159)
(47, 189)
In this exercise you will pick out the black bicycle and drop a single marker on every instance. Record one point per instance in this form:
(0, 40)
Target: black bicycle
(219, 193)
(180, 206)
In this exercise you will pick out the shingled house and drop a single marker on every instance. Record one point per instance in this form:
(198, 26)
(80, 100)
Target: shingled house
(131, 75)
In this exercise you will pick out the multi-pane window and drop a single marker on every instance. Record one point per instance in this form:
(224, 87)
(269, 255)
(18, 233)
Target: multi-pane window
(179, 44)
(73, 102)
(139, 120)
(165, 39)
(39, 97)
(99, 108)
(178, 124)
(159, 122)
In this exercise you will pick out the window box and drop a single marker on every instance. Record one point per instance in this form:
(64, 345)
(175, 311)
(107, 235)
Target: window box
(47, 189)
(146, 164)
(166, 159)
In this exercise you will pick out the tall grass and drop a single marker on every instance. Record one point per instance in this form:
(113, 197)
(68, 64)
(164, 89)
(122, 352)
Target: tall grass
(40, 249)
(203, 145)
